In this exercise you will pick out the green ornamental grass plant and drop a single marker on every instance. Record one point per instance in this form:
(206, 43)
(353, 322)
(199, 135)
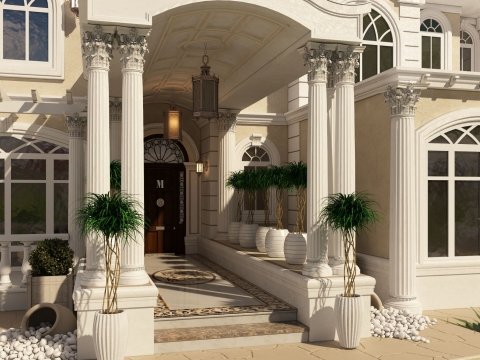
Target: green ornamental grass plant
(297, 173)
(115, 175)
(471, 325)
(281, 182)
(235, 181)
(264, 183)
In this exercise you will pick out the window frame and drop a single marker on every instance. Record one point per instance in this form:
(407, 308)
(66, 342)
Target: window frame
(467, 46)
(445, 36)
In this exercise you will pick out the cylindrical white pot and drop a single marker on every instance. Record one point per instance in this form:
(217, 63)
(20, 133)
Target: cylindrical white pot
(260, 238)
(348, 317)
(295, 248)
(233, 229)
(246, 235)
(274, 242)
(110, 334)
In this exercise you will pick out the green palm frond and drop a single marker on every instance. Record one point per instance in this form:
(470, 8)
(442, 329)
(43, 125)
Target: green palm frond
(471, 325)
(115, 175)
(297, 173)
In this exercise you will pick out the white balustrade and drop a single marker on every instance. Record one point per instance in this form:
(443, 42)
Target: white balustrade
(26, 267)
(5, 265)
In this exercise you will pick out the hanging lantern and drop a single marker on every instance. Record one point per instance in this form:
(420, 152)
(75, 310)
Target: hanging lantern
(173, 125)
(205, 92)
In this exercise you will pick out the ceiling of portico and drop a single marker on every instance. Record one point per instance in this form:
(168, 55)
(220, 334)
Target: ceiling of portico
(252, 50)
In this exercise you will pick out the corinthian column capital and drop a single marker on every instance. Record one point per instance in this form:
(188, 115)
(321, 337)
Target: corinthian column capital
(76, 125)
(227, 120)
(402, 100)
(97, 48)
(133, 48)
(317, 59)
(344, 65)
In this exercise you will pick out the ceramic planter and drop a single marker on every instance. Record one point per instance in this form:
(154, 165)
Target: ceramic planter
(61, 318)
(348, 317)
(246, 235)
(110, 334)
(295, 248)
(260, 238)
(233, 229)
(274, 242)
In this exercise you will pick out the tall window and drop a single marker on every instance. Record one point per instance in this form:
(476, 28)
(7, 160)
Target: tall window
(33, 187)
(378, 41)
(466, 51)
(432, 44)
(454, 193)
(255, 157)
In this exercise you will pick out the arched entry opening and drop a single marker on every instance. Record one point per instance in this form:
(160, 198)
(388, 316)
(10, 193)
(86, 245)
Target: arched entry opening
(165, 201)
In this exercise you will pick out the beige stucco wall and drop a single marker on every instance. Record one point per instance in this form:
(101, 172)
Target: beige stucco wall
(277, 102)
(303, 140)
(275, 133)
(372, 137)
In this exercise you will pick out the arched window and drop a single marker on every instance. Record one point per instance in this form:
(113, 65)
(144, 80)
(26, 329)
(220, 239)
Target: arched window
(466, 52)
(432, 44)
(378, 41)
(253, 158)
(33, 187)
(453, 174)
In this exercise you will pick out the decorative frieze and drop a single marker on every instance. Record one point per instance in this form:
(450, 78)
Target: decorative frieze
(97, 48)
(402, 100)
(133, 48)
(76, 125)
(344, 65)
(317, 60)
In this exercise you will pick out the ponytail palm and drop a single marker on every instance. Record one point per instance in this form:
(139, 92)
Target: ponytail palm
(115, 218)
(348, 213)
(297, 173)
(264, 182)
(235, 181)
(280, 181)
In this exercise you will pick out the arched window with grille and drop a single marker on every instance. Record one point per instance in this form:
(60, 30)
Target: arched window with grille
(466, 51)
(253, 158)
(378, 55)
(432, 44)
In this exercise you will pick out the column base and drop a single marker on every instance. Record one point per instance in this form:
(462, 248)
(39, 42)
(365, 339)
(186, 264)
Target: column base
(338, 268)
(93, 278)
(316, 269)
(411, 304)
(136, 276)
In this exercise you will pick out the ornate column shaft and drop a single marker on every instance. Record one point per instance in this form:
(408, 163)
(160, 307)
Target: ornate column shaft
(115, 128)
(76, 186)
(317, 59)
(344, 64)
(97, 51)
(133, 47)
(403, 239)
(226, 149)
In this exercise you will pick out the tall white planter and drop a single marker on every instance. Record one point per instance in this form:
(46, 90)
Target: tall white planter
(274, 242)
(233, 229)
(348, 317)
(246, 235)
(295, 248)
(110, 334)
(260, 237)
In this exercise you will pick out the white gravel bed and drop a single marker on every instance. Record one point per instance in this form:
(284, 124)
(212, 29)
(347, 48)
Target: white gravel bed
(31, 344)
(398, 324)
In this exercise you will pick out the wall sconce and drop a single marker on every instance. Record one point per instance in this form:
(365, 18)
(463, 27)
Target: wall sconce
(202, 167)
(173, 125)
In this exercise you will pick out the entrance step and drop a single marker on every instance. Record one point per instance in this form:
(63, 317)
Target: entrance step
(225, 336)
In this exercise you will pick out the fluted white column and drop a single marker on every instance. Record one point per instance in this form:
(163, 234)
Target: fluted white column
(344, 64)
(226, 149)
(115, 129)
(76, 187)
(97, 52)
(403, 214)
(133, 47)
(316, 59)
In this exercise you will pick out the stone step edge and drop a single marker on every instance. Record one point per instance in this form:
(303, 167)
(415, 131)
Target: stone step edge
(226, 315)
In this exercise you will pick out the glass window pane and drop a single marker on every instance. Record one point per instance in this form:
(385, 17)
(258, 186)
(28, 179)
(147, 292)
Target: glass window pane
(426, 51)
(466, 59)
(369, 61)
(437, 218)
(454, 135)
(386, 58)
(260, 200)
(61, 208)
(382, 26)
(8, 143)
(467, 163)
(61, 169)
(2, 169)
(387, 37)
(17, 258)
(28, 209)
(46, 147)
(61, 150)
(436, 53)
(467, 139)
(366, 22)
(370, 34)
(467, 218)
(440, 140)
(14, 34)
(38, 36)
(437, 163)
(28, 169)
(27, 150)
(15, 2)
(2, 208)
(40, 3)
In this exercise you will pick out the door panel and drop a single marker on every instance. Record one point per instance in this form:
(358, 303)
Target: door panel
(165, 208)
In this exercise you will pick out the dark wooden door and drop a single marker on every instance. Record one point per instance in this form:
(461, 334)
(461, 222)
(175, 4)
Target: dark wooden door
(165, 208)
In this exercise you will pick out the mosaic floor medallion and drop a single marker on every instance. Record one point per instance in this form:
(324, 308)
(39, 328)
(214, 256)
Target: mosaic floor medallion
(184, 277)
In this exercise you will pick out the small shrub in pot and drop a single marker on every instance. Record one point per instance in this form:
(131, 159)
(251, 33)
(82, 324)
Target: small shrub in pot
(51, 257)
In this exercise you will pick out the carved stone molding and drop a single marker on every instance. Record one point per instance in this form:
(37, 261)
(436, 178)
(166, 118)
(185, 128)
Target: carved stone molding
(402, 100)
(317, 60)
(115, 109)
(76, 125)
(97, 48)
(133, 48)
(7, 122)
(227, 121)
(344, 65)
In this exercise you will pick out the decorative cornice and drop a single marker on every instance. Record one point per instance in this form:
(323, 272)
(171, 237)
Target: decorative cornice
(317, 60)
(344, 65)
(97, 48)
(76, 125)
(115, 109)
(402, 100)
(133, 48)
(227, 120)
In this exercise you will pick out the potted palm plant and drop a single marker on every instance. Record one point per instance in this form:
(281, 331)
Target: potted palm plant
(264, 183)
(348, 214)
(247, 231)
(114, 217)
(275, 239)
(235, 181)
(296, 242)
